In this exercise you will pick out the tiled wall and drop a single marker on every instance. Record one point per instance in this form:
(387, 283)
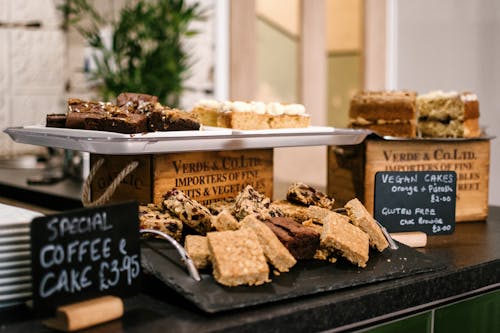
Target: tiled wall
(40, 67)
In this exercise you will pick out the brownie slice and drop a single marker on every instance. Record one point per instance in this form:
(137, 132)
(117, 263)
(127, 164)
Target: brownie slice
(56, 120)
(136, 101)
(303, 194)
(79, 111)
(301, 241)
(118, 122)
(166, 119)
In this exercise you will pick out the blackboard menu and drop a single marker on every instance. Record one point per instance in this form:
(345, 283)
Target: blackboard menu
(416, 201)
(83, 254)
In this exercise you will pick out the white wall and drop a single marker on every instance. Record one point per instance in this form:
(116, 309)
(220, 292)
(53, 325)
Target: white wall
(453, 45)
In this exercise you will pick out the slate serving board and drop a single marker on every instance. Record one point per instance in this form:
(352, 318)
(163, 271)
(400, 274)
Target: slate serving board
(305, 278)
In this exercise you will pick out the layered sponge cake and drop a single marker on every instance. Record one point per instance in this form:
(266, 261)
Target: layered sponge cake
(448, 114)
(387, 113)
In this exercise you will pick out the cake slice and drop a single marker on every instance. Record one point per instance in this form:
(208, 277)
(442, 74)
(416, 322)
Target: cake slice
(196, 247)
(207, 111)
(391, 113)
(152, 217)
(301, 241)
(306, 195)
(237, 258)
(361, 218)
(448, 114)
(350, 241)
(189, 211)
(275, 252)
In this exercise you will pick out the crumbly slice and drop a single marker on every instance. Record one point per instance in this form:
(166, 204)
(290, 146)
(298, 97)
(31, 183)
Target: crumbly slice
(189, 211)
(288, 209)
(197, 248)
(152, 217)
(304, 194)
(275, 252)
(251, 202)
(225, 221)
(237, 258)
(218, 206)
(301, 241)
(349, 240)
(361, 218)
(322, 253)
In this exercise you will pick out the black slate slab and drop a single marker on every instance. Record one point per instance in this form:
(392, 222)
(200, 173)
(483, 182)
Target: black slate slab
(305, 278)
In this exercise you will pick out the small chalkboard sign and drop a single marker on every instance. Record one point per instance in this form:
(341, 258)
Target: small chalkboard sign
(416, 201)
(83, 254)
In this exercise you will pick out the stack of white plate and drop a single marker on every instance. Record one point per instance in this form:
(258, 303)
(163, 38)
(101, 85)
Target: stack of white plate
(15, 270)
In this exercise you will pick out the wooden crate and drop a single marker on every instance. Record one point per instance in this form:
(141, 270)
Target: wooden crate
(352, 169)
(204, 176)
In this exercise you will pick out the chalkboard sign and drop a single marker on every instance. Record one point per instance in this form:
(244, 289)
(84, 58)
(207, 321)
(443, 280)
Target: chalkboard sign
(83, 254)
(416, 201)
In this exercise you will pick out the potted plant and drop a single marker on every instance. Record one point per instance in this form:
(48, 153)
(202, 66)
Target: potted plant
(146, 51)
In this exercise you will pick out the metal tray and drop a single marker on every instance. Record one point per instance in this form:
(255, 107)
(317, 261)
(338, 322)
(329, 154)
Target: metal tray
(209, 139)
(305, 278)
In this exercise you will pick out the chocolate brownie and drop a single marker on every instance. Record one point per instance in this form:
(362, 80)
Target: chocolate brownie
(118, 122)
(163, 118)
(139, 102)
(56, 120)
(301, 241)
(306, 195)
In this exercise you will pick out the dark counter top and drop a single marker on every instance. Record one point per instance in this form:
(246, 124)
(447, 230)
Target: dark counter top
(471, 255)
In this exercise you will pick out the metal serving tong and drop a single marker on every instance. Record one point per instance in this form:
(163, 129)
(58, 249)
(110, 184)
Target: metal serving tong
(193, 272)
(387, 235)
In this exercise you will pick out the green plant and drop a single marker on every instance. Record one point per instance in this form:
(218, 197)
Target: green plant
(146, 54)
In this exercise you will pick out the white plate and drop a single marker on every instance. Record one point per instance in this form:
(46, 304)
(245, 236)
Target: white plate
(184, 141)
(15, 216)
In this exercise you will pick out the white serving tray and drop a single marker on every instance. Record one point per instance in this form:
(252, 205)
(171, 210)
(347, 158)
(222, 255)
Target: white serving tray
(213, 138)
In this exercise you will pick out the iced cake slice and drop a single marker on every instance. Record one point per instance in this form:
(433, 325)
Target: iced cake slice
(237, 258)
(361, 218)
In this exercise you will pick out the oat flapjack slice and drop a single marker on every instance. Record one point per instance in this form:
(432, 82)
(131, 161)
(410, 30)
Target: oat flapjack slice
(361, 218)
(237, 258)
(153, 217)
(197, 248)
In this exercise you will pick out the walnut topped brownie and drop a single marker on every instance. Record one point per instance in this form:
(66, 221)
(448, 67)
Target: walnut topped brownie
(163, 118)
(136, 103)
(189, 211)
(306, 195)
(237, 258)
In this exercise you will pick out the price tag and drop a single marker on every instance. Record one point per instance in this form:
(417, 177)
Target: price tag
(83, 254)
(416, 201)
